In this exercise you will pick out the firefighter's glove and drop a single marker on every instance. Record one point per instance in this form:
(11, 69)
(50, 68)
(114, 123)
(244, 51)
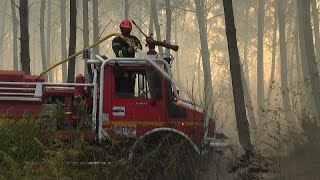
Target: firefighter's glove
(104, 57)
(131, 50)
(136, 48)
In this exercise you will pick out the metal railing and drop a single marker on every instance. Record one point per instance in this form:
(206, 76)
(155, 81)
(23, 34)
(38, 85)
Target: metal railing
(18, 91)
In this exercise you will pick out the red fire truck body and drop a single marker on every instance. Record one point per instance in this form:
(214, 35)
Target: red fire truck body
(154, 107)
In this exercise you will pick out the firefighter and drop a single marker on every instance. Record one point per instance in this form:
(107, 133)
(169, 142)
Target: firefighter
(125, 47)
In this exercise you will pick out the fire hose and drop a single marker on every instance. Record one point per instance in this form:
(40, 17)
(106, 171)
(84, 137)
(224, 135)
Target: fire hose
(78, 53)
(151, 43)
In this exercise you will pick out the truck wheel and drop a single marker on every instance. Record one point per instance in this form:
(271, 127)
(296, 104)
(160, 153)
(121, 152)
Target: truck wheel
(165, 156)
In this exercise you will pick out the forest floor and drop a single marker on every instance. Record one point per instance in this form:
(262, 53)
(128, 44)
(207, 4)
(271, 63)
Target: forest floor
(24, 154)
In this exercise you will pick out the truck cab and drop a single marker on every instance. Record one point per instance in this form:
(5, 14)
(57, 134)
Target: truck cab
(154, 106)
(151, 107)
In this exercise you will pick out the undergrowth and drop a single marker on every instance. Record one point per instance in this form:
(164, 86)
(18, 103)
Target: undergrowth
(289, 154)
(28, 151)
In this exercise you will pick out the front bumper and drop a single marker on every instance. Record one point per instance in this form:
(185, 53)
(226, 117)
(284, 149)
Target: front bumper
(219, 143)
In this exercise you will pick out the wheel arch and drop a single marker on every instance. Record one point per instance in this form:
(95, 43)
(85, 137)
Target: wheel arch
(172, 130)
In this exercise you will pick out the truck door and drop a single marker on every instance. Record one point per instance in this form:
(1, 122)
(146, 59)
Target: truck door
(137, 102)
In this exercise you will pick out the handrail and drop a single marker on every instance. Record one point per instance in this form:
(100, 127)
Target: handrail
(18, 83)
(8, 98)
(18, 93)
(16, 88)
(94, 103)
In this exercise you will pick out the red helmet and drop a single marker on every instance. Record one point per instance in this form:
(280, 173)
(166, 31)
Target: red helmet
(126, 24)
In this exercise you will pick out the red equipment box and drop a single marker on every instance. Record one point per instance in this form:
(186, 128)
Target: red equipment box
(11, 76)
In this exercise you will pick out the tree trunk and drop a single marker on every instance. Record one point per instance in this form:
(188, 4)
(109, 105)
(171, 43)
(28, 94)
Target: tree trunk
(260, 69)
(140, 20)
(307, 100)
(208, 89)
(85, 29)
(48, 42)
(3, 28)
(72, 40)
(63, 39)
(24, 36)
(142, 5)
(199, 77)
(297, 57)
(240, 109)
(95, 6)
(289, 30)
(35, 47)
(126, 9)
(42, 38)
(283, 69)
(152, 14)
(316, 29)
(310, 54)
(245, 51)
(168, 23)
(248, 101)
(177, 59)
(156, 22)
(85, 18)
(273, 59)
(245, 75)
(15, 36)
(291, 80)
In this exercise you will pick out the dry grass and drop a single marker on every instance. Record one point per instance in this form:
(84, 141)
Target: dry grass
(24, 154)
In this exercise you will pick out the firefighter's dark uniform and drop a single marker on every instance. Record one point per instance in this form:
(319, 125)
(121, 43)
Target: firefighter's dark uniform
(125, 80)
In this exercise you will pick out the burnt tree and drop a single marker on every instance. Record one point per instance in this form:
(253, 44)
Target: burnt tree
(240, 108)
(24, 36)
(72, 39)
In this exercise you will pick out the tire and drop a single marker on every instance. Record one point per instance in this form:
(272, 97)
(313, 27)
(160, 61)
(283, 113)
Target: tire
(164, 156)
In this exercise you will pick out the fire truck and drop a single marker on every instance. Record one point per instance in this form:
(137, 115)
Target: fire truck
(153, 108)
